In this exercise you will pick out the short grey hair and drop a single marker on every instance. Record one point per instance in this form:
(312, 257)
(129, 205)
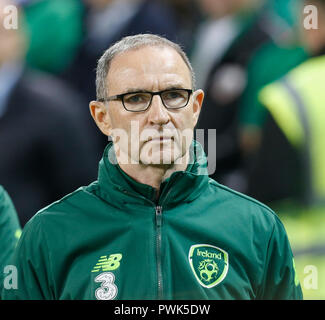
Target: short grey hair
(127, 44)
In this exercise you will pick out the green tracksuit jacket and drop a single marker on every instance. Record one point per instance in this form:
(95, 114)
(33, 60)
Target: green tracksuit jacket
(113, 240)
(9, 233)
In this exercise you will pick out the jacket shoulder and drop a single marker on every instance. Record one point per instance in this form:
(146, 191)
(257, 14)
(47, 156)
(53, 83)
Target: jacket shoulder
(248, 205)
(71, 203)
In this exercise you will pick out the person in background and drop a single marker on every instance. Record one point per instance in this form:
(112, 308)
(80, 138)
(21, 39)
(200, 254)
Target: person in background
(287, 50)
(292, 148)
(188, 17)
(43, 132)
(226, 42)
(10, 232)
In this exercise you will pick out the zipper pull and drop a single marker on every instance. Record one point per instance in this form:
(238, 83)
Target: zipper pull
(158, 216)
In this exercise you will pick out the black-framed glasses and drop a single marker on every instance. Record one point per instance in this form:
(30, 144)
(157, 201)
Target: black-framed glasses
(141, 100)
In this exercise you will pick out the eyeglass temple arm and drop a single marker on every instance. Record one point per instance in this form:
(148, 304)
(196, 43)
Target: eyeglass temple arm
(117, 97)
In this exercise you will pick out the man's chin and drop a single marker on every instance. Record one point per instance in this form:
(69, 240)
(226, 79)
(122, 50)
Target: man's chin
(160, 158)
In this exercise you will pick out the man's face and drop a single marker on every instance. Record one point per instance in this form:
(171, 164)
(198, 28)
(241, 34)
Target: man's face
(156, 135)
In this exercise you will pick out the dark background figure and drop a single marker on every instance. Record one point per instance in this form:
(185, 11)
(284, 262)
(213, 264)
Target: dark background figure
(46, 144)
(188, 16)
(238, 30)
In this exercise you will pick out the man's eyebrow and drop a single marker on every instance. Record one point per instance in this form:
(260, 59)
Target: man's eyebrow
(170, 87)
(174, 86)
(133, 90)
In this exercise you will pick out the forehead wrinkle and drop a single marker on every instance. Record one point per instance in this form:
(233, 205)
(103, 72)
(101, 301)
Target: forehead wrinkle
(167, 70)
(150, 82)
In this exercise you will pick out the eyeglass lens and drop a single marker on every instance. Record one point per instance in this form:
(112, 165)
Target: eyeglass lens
(172, 99)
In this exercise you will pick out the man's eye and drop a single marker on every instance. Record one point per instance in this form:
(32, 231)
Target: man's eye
(172, 95)
(136, 98)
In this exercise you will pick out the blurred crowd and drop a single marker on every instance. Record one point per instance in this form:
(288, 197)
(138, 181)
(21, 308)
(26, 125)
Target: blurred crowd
(255, 60)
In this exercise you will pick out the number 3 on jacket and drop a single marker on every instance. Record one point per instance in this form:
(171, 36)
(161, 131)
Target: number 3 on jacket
(107, 290)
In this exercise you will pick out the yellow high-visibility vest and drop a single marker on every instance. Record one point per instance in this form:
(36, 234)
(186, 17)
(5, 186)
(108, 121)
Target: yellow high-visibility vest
(297, 104)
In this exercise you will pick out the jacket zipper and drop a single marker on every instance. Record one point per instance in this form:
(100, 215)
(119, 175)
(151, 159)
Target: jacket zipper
(158, 216)
(158, 213)
(158, 251)
(158, 247)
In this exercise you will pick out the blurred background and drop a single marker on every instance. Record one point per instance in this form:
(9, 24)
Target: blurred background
(261, 64)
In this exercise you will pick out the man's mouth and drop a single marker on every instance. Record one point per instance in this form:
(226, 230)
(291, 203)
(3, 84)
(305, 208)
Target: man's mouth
(161, 139)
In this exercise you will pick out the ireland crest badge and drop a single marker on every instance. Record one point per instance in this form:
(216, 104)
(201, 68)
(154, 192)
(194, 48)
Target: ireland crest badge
(209, 264)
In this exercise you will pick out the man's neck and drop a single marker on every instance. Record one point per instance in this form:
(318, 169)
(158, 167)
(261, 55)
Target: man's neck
(153, 175)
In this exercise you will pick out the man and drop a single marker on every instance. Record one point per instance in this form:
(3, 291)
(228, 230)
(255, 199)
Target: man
(9, 232)
(153, 226)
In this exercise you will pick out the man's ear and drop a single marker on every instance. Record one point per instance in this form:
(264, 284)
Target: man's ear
(198, 97)
(99, 112)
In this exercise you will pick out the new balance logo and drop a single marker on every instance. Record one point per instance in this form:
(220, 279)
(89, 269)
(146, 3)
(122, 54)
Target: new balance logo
(108, 264)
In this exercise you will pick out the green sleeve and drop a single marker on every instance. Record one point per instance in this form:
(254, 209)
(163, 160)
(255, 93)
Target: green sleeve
(9, 231)
(280, 278)
(31, 261)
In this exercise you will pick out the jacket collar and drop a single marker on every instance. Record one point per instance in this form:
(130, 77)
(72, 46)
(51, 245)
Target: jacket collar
(182, 186)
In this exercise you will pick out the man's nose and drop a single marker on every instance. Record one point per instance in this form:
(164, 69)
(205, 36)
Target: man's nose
(158, 114)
